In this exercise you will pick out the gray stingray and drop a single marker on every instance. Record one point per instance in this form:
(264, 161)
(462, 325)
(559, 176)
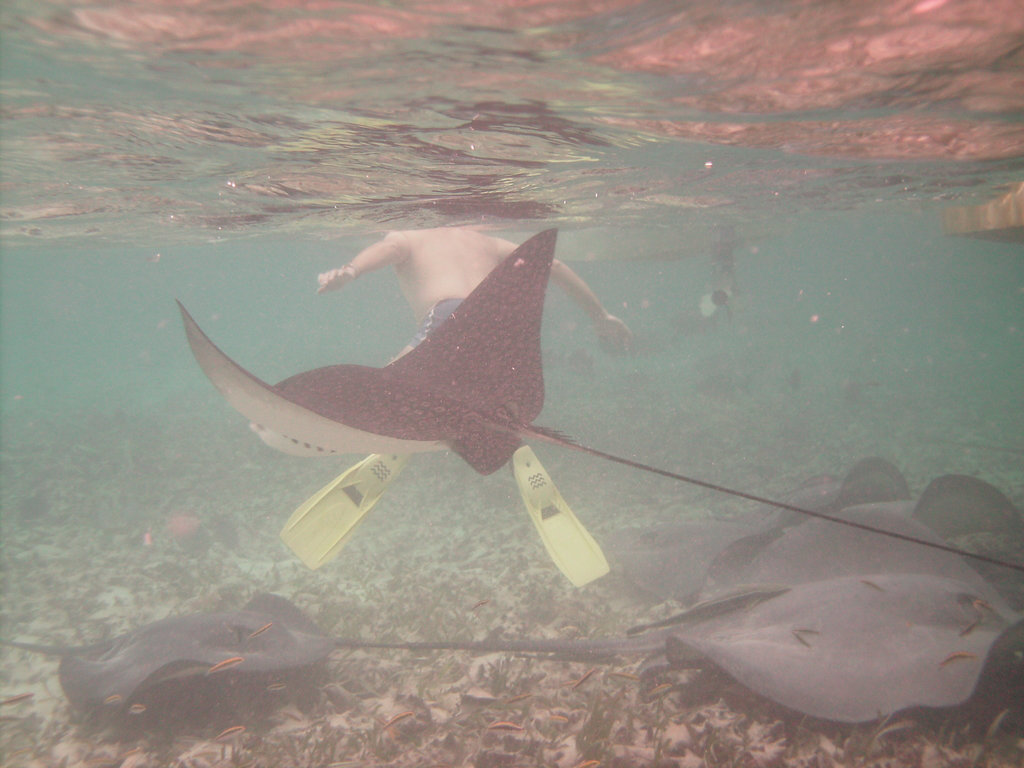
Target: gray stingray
(832, 621)
(855, 648)
(193, 667)
(814, 550)
(672, 561)
(850, 649)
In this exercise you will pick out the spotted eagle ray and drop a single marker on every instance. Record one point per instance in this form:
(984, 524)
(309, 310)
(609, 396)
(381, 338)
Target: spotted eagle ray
(474, 385)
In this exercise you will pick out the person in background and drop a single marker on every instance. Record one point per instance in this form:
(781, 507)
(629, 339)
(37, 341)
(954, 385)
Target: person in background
(723, 275)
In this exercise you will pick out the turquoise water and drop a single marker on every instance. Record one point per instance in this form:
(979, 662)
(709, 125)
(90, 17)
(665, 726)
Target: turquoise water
(225, 153)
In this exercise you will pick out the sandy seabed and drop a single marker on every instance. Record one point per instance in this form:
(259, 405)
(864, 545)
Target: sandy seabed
(447, 554)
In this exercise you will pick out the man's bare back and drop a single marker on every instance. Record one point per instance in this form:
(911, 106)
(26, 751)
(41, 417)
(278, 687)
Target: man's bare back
(445, 264)
(433, 265)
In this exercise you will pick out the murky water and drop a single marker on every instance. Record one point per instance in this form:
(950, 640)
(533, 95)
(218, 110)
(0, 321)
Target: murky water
(224, 153)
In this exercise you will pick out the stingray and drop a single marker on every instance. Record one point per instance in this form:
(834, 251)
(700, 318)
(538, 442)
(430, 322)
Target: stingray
(957, 505)
(849, 649)
(873, 645)
(195, 669)
(866, 625)
(830, 621)
(474, 385)
(672, 560)
(860, 647)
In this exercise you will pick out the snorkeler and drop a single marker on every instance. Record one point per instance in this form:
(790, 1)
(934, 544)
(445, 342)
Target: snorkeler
(723, 276)
(436, 270)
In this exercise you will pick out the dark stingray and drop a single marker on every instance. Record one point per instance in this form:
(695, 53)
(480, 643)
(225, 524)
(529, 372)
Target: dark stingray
(165, 673)
(955, 505)
(475, 385)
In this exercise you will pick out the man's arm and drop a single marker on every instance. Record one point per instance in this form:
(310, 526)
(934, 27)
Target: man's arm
(613, 334)
(393, 249)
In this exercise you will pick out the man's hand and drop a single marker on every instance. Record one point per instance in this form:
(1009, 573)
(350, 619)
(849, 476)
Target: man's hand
(335, 279)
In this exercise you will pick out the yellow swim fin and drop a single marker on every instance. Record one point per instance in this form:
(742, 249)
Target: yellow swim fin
(318, 529)
(574, 550)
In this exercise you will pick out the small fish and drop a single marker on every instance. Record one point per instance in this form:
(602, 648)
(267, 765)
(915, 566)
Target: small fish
(400, 716)
(872, 585)
(504, 725)
(479, 604)
(970, 627)
(520, 697)
(625, 675)
(136, 709)
(957, 655)
(577, 683)
(274, 687)
(981, 604)
(799, 635)
(659, 689)
(220, 666)
(560, 718)
(589, 764)
(113, 699)
(260, 631)
(887, 729)
(15, 699)
(229, 733)
(993, 729)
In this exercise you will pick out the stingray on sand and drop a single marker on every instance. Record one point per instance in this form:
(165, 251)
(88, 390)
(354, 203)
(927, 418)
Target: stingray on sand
(197, 669)
(859, 633)
(827, 620)
(850, 649)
